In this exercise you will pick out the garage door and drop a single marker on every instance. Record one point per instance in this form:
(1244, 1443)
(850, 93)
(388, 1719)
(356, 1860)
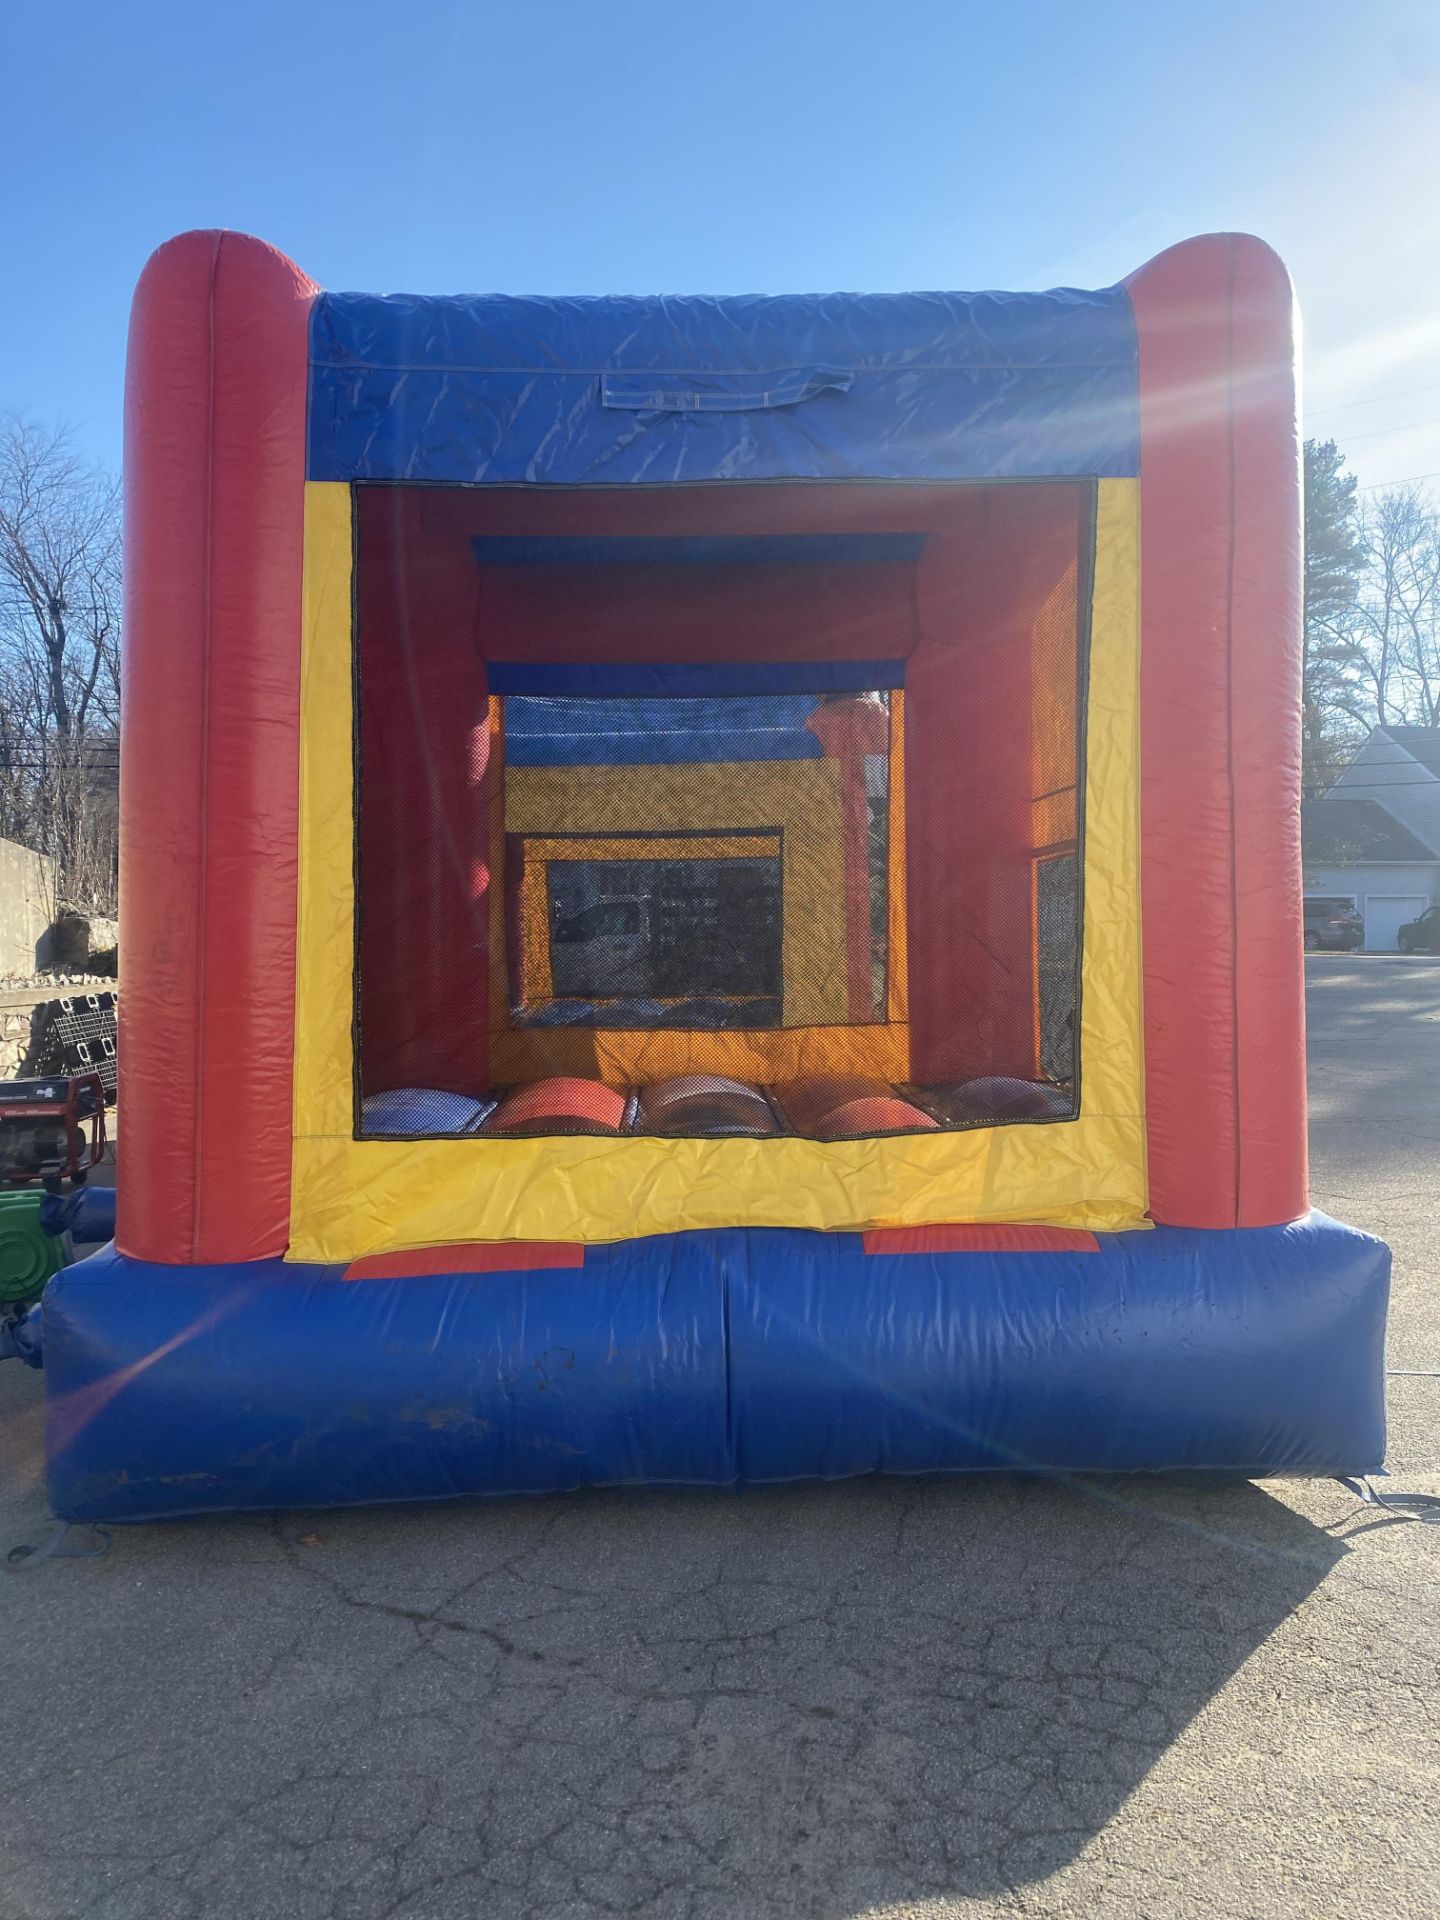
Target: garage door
(1385, 914)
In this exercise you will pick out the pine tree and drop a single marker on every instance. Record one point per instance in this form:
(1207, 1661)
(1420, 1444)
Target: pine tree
(1334, 561)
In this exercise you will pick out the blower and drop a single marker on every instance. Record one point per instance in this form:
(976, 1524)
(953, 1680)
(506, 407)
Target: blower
(51, 1131)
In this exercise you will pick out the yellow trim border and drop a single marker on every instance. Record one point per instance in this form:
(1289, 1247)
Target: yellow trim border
(351, 1197)
(798, 799)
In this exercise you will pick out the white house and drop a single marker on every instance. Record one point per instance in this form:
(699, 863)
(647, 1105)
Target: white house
(1374, 838)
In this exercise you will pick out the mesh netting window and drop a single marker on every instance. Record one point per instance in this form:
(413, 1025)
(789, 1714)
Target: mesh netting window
(1057, 882)
(666, 941)
(696, 864)
(818, 872)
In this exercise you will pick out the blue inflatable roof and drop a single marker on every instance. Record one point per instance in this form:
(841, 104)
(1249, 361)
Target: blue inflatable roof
(659, 390)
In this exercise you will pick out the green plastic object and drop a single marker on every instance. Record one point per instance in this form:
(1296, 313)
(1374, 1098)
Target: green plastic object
(28, 1255)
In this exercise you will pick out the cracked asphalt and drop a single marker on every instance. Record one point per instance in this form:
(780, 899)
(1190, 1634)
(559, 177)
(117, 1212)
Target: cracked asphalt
(880, 1698)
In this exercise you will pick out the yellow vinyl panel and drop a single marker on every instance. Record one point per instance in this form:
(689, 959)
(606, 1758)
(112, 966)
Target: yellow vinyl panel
(636, 1056)
(352, 1198)
(799, 798)
(668, 846)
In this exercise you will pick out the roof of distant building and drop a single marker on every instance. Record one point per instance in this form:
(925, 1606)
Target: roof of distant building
(1421, 743)
(1340, 831)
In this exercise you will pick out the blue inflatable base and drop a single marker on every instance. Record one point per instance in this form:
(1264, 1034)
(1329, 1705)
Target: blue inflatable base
(712, 1359)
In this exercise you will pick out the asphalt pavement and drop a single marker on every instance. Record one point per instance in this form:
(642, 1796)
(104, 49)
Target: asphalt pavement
(1129, 1698)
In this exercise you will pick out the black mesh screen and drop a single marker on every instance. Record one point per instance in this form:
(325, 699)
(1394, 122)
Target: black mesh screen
(1057, 888)
(697, 864)
(668, 929)
(724, 897)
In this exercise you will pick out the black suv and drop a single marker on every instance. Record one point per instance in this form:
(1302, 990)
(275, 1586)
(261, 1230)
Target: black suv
(1332, 921)
(1422, 935)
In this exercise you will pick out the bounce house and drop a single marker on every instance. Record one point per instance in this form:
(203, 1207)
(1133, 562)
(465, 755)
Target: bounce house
(710, 894)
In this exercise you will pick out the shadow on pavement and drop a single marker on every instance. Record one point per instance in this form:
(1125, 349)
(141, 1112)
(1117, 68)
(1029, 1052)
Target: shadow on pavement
(798, 1701)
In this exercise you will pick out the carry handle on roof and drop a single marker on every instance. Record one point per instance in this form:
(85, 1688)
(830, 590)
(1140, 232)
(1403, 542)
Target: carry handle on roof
(740, 392)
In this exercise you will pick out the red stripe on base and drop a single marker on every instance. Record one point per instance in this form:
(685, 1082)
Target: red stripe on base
(980, 1239)
(489, 1256)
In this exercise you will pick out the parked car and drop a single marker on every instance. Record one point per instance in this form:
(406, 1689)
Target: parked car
(1332, 923)
(1422, 935)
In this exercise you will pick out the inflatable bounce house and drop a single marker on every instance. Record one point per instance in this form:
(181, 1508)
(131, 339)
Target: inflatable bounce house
(710, 895)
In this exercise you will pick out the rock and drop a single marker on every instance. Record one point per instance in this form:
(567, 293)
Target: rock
(73, 937)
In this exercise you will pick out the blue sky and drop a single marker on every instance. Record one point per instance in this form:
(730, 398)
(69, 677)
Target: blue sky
(455, 145)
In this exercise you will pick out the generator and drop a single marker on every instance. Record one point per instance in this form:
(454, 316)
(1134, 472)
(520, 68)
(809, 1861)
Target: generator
(51, 1129)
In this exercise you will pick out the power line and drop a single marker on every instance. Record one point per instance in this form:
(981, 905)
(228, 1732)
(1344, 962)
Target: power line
(1356, 790)
(1410, 426)
(1399, 761)
(51, 766)
(1378, 486)
(1345, 406)
(1404, 758)
(1355, 787)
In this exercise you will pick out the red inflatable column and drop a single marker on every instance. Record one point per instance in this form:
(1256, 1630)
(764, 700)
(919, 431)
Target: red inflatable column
(214, 497)
(1220, 734)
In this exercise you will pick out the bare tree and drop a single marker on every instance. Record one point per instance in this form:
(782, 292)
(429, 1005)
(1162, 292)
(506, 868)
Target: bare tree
(1397, 610)
(59, 657)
